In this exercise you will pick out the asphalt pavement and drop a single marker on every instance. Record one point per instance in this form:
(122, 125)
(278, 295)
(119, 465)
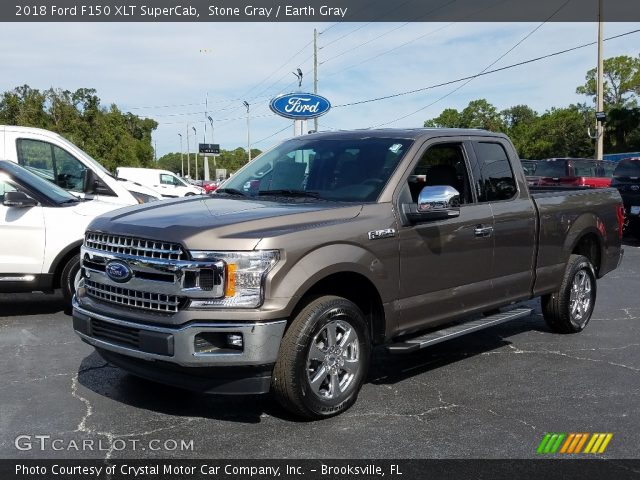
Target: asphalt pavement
(492, 394)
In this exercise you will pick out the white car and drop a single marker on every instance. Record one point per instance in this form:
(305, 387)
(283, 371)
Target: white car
(56, 159)
(41, 230)
(168, 184)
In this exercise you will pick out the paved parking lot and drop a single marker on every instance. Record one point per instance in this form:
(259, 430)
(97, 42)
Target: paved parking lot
(491, 394)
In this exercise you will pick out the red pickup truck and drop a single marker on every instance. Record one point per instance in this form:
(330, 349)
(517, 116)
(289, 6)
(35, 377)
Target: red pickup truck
(572, 172)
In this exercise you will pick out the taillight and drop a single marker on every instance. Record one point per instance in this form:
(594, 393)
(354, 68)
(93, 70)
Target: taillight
(620, 215)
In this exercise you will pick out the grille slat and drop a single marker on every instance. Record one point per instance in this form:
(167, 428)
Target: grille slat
(138, 247)
(157, 302)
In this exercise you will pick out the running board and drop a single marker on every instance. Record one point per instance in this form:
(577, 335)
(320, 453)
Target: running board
(431, 338)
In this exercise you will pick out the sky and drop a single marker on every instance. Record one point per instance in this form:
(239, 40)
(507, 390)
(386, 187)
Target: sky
(167, 71)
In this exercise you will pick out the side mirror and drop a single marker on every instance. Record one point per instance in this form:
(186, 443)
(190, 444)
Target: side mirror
(92, 184)
(434, 203)
(18, 200)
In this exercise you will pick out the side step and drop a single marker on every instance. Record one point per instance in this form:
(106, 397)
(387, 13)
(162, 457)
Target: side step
(431, 338)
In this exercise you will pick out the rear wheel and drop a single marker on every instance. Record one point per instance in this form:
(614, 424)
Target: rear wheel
(323, 360)
(569, 309)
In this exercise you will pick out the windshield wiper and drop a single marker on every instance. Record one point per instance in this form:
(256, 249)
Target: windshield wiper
(290, 193)
(232, 191)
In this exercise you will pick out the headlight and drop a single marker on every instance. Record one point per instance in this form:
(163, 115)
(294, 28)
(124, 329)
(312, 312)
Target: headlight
(143, 197)
(244, 274)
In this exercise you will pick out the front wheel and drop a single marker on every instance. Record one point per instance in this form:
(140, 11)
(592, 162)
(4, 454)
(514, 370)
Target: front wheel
(323, 359)
(69, 278)
(569, 309)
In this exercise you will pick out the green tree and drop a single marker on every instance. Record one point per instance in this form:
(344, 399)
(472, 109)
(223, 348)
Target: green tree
(478, 114)
(621, 81)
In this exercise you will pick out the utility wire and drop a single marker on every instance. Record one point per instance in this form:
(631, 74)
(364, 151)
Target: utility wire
(517, 44)
(272, 135)
(488, 72)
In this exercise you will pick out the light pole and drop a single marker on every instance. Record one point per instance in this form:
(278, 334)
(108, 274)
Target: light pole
(246, 104)
(195, 148)
(188, 155)
(181, 157)
(600, 89)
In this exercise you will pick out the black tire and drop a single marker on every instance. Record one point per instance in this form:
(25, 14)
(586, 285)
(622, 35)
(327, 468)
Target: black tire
(67, 278)
(564, 310)
(190, 194)
(291, 382)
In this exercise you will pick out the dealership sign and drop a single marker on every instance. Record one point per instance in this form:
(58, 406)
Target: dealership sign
(300, 106)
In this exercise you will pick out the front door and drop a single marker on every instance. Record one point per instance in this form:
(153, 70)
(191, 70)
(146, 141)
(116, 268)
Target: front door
(22, 236)
(445, 265)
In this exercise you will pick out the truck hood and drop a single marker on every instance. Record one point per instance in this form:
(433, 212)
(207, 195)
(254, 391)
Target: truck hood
(221, 223)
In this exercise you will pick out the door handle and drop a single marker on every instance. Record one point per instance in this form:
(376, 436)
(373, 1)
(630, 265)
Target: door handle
(482, 232)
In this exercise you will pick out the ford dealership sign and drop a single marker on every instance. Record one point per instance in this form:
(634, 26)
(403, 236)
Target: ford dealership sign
(300, 106)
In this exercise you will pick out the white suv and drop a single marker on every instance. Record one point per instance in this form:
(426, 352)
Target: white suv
(41, 230)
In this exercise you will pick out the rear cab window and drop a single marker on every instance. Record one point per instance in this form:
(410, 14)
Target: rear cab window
(495, 180)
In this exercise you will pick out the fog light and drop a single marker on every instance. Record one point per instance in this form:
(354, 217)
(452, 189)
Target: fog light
(234, 340)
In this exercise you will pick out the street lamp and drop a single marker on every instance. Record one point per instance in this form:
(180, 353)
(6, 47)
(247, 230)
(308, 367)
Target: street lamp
(188, 155)
(246, 104)
(211, 122)
(195, 136)
(181, 157)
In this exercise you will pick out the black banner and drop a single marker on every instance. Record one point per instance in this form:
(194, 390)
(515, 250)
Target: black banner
(319, 469)
(318, 11)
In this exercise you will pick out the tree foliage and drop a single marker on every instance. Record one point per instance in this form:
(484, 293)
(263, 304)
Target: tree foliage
(112, 137)
(621, 82)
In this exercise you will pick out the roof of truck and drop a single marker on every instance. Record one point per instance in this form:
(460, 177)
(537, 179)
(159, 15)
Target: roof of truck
(412, 133)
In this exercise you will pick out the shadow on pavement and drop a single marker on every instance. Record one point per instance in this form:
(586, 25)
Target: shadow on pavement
(18, 304)
(112, 382)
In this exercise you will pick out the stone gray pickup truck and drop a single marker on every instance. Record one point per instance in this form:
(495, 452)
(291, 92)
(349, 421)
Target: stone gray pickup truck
(333, 243)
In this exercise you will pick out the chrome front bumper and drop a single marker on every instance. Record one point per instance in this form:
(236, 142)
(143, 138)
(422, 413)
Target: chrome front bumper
(261, 340)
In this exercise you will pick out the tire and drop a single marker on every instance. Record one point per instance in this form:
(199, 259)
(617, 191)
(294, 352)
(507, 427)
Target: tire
(190, 194)
(337, 367)
(569, 309)
(68, 278)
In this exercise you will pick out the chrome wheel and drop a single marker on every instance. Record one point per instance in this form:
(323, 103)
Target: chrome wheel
(333, 360)
(580, 297)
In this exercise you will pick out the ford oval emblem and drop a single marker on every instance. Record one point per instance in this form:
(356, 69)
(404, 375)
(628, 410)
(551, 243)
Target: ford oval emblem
(118, 271)
(300, 106)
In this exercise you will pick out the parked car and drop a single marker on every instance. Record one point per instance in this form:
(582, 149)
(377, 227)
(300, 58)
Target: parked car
(167, 183)
(332, 243)
(572, 172)
(210, 186)
(529, 166)
(56, 159)
(626, 178)
(41, 229)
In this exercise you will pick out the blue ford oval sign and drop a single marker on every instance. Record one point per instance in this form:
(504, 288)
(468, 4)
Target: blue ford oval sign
(118, 271)
(300, 106)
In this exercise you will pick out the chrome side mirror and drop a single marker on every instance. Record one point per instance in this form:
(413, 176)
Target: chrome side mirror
(439, 198)
(434, 203)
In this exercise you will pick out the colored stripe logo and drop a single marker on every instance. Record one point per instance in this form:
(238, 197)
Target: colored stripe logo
(573, 443)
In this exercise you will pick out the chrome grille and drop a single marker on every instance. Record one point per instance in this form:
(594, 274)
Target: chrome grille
(156, 302)
(138, 247)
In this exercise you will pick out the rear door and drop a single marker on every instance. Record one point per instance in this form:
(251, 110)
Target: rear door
(445, 265)
(499, 183)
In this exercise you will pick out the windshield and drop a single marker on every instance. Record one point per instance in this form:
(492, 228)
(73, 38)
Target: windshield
(529, 166)
(628, 168)
(35, 182)
(551, 168)
(345, 170)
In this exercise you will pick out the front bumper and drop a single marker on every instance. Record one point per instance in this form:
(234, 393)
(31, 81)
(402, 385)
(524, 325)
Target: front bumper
(154, 348)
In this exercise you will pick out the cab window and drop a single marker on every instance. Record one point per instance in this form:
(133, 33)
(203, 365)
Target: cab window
(166, 179)
(442, 164)
(496, 181)
(51, 163)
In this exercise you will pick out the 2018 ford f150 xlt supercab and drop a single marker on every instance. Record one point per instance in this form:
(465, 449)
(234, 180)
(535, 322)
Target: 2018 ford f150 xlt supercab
(330, 244)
